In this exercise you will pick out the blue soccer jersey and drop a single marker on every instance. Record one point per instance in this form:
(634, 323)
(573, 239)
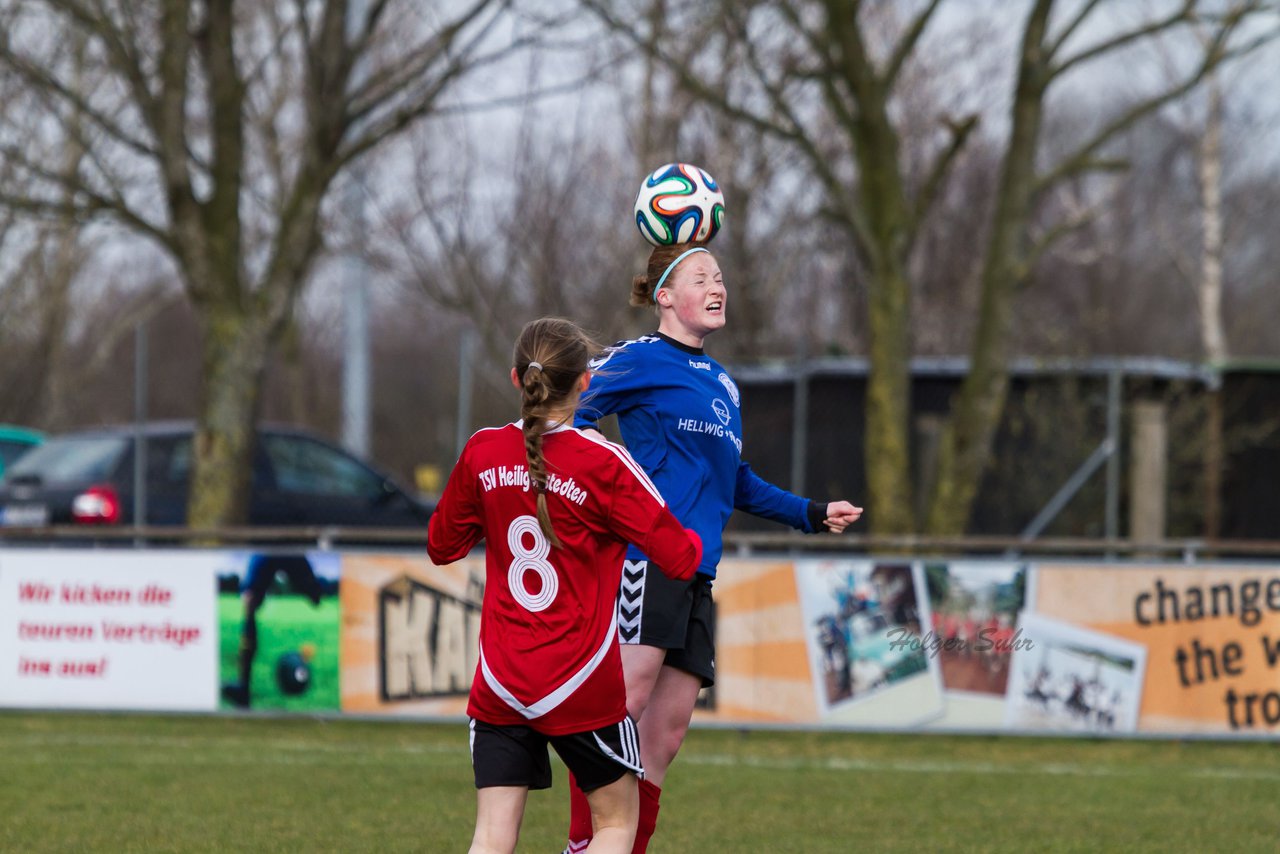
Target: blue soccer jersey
(680, 417)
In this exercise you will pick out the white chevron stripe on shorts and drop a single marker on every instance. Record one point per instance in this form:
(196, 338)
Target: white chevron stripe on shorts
(629, 742)
(631, 600)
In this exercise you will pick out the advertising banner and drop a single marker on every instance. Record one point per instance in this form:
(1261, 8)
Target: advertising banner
(410, 634)
(1178, 649)
(108, 629)
(762, 671)
(953, 645)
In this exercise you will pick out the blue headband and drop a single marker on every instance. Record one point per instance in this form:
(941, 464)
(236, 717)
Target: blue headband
(672, 266)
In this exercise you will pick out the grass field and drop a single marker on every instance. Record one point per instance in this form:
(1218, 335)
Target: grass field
(75, 782)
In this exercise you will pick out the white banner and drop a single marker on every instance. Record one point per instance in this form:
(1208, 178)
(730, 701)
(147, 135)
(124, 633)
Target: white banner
(109, 629)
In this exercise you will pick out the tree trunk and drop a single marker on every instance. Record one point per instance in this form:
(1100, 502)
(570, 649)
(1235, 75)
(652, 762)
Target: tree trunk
(235, 355)
(1212, 332)
(884, 242)
(888, 409)
(968, 438)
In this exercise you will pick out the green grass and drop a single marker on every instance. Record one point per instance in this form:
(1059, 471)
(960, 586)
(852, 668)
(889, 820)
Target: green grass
(78, 782)
(285, 623)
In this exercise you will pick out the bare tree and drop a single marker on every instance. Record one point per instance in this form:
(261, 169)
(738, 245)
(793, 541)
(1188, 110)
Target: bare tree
(499, 253)
(1204, 127)
(825, 79)
(217, 130)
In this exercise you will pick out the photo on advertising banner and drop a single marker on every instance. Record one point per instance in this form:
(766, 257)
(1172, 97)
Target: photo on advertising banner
(974, 615)
(1072, 679)
(864, 626)
(279, 620)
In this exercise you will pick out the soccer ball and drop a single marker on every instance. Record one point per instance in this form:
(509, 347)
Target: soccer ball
(293, 673)
(679, 203)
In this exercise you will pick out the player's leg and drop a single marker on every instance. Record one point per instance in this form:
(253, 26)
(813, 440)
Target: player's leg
(606, 763)
(499, 811)
(689, 667)
(615, 811)
(666, 720)
(254, 585)
(301, 575)
(238, 692)
(653, 617)
(665, 723)
(508, 761)
(641, 666)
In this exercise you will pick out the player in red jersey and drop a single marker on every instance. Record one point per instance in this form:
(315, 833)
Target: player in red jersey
(556, 509)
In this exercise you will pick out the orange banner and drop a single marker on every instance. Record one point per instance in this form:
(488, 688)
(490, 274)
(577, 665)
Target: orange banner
(410, 634)
(1211, 635)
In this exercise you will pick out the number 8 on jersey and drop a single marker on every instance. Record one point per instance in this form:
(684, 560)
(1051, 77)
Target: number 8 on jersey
(534, 560)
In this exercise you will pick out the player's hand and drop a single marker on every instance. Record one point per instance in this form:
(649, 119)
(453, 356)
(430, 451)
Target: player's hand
(594, 433)
(840, 515)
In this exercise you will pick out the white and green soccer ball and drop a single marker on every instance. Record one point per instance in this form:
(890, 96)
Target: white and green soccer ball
(679, 203)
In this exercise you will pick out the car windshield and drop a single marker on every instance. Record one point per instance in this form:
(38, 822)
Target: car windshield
(10, 450)
(71, 459)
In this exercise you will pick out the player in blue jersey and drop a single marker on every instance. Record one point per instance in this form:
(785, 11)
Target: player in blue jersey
(679, 414)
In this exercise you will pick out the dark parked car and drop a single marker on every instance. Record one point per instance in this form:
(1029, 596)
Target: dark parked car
(87, 477)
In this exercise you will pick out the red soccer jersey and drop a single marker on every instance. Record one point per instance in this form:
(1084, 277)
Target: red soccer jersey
(548, 646)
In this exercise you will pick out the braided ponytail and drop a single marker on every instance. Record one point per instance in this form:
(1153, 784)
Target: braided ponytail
(533, 399)
(550, 356)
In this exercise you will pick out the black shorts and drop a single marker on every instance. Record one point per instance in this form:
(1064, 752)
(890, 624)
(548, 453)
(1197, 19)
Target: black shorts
(516, 755)
(678, 616)
(263, 568)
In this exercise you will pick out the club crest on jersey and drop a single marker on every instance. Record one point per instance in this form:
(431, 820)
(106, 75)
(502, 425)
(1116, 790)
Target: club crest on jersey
(731, 387)
(722, 410)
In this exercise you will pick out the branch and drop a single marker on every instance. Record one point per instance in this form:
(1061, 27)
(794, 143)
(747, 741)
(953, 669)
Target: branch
(257, 73)
(40, 81)
(394, 79)
(374, 131)
(1249, 47)
(1083, 158)
(300, 11)
(121, 53)
(525, 98)
(1181, 16)
(907, 44)
(825, 76)
(170, 109)
(411, 84)
(1022, 270)
(691, 82)
(941, 167)
(79, 212)
(851, 213)
(1084, 12)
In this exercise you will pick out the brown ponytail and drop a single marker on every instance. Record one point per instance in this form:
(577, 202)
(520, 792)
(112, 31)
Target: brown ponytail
(550, 355)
